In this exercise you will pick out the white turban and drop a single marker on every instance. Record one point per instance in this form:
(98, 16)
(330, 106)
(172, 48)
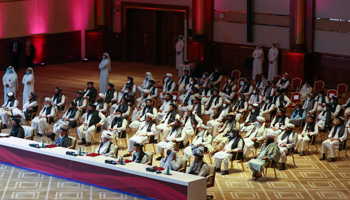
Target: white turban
(150, 115)
(102, 96)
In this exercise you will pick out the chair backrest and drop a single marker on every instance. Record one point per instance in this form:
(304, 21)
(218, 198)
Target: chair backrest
(211, 176)
(257, 78)
(296, 83)
(276, 79)
(183, 165)
(163, 79)
(331, 93)
(236, 74)
(175, 96)
(149, 158)
(295, 97)
(74, 142)
(342, 89)
(28, 132)
(319, 85)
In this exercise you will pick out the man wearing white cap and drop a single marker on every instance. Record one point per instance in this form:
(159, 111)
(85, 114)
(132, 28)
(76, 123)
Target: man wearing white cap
(10, 82)
(45, 117)
(283, 83)
(146, 130)
(165, 125)
(142, 115)
(117, 125)
(190, 124)
(145, 83)
(286, 140)
(58, 100)
(220, 117)
(168, 87)
(101, 105)
(268, 152)
(28, 82)
(213, 104)
(7, 107)
(201, 141)
(255, 133)
(107, 147)
(172, 160)
(198, 166)
(141, 101)
(165, 107)
(29, 107)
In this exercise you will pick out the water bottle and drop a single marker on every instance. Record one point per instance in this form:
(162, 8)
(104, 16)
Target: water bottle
(79, 151)
(42, 144)
(168, 170)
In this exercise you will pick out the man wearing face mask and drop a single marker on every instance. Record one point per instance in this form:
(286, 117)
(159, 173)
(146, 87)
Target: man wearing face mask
(142, 116)
(320, 101)
(227, 93)
(190, 123)
(251, 118)
(246, 89)
(28, 108)
(255, 133)
(10, 82)
(168, 87)
(204, 81)
(267, 152)
(201, 142)
(279, 122)
(325, 118)
(267, 109)
(90, 92)
(100, 104)
(255, 98)
(105, 67)
(336, 136)
(187, 102)
(129, 84)
(45, 117)
(146, 82)
(283, 83)
(63, 140)
(240, 107)
(146, 130)
(346, 106)
(298, 115)
(197, 107)
(7, 107)
(187, 90)
(207, 92)
(305, 91)
(129, 96)
(165, 125)
(165, 107)
(234, 145)
(261, 84)
(58, 99)
(214, 103)
(184, 81)
(231, 84)
(309, 104)
(267, 91)
(169, 141)
(107, 147)
(117, 126)
(286, 140)
(220, 117)
(92, 123)
(310, 130)
(125, 109)
(69, 120)
(28, 83)
(152, 87)
(280, 100)
(216, 77)
(336, 109)
(258, 55)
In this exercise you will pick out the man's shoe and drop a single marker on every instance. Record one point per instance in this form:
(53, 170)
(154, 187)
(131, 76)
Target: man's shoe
(295, 152)
(126, 155)
(159, 158)
(88, 144)
(283, 166)
(39, 134)
(52, 136)
(82, 142)
(225, 172)
(218, 170)
(301, 154)
(331, 160)
(4, 126)
(323, 158)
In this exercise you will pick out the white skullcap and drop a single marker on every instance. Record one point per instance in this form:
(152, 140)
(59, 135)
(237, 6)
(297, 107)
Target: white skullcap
(102, 96)
(255, 105)
(271, 135)
(150, 115)
(48, 99)
(260, 119)
(107, 134)
(10, 67)
(290, 126)
(146, 91)
(177, 117)
(227, 101)
(10, 94)
(170, 75)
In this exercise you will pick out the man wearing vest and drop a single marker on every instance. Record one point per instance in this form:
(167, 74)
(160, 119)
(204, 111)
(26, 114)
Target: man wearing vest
(213, 104)
(111, 94)
(92, 123)
(90, 92)
(165, 107)
(117, 125)
(168, 87)
(107, 147)
(45, 117)
(198, 166)
(201, 142)
(267, 109)
(286, 140)
(220, 117)
(63, 140)
(190, 124)
(17, 130)
(7, 107)
(280, 100)
(184, 81)
(139, 156)
(81, 102)
(58, 99)
(140, 104)
(240, 107)
(255, 134)
(283, 83)
(28, 108)
(142, 115)
(165, 125)
(310, 130)
(279, 122)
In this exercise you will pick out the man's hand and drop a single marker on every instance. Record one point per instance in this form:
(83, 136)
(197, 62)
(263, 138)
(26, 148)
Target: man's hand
(200, 144)
(213, 108)
(254, 139)
(220, 120)
(230, 151)
(28, 82)
(168, 125)
(283, 145)
(264, 158)
(7, 85)
(183, 104)
(275, 128)
(174, 156)
(295, 120)
(173, 140)
(98, 125)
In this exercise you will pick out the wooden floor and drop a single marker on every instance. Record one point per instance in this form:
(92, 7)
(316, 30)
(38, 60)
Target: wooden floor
(309, 179)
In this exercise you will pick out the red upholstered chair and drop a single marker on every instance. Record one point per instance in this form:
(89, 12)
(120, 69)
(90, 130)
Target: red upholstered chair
(295, 97)
(276, 79)
(175, 96)
(240, 82)
(163, 81)
(236, 74)
(257, 77)
(331, 93)
(296, 84)
(342, 89)
(319, 85)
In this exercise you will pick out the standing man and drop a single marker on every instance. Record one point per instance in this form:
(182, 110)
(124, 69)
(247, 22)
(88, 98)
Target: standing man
(105, 67)
(29, 51)
(258, 55)
(273, 62)
(15, 49)
(10, 82)
(28, 82)
(179, 51)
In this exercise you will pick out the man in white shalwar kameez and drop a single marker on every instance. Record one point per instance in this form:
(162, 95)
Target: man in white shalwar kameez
(145, 83)
(142, 115)
(105, 67)
(7, 107)
(168, 87)
(273, 62)
(10, 81)
(45, 117)
(117, 125)
(286, 140)
(201, 141)
(107, 147)
(255, 133)
(172, 160)
(258, 55)
(179, 51)
(28, 82)
(190, 123)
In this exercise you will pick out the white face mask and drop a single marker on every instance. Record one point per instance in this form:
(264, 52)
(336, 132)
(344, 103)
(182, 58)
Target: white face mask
(224, 105)
(308, 98)
(229, 81)
(118, 116)
(253, 110)
(128, 81)
(239, 99)
(254, 92)
(324, 109)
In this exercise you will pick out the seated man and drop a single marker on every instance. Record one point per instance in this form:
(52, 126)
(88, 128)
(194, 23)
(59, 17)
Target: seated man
(310, 130)
(213, 104)
(286, 140)
(321, 100)
(81, 102)
(246, 89)
(107, 146)
(145, 83)
(45, 117)
(298, 115)
(336, 108)
(122, 106)
(142, 116)
(335, 139)
(168, 87)
(172, 160)
(346, 106)
(139, 156)
(187, 101)
(29, 107)
(69, 120)
(190, 124)
(6, 108)
(309, 104)
(128, 95)
(207, 93)
(165, 107)
(90, 92)
(240, 107)
(111, 94)
(198, 166)
(188, 88)
(63, 140)
(146, 130)
(101, 105)
(279, 122)
(280, 100)
(255, 133)
(234, 145)
(170, 140)
(267, 91)
(58, 99)
(197, 107)
(141, 103)
(201, 142)
(325, 118)
(227, 93)
(251, 118)
(283, 83)
(17, 130)
(130, 85)
(268, 152)
(117, 125)
(184, 81)
(267, 109)
(92, 123)
(220, 117)
(169, 119)
(255, 98)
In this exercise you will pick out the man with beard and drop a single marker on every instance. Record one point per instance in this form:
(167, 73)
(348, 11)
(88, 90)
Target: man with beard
(220, 117)
(309, 104)
(117, 126)
(190, 124)
(279, 122)
(213, 104)
(100, 104)
(335, 139)
(184, 81)
(283, 83)
(201, 142)
(246, 89)
(280, 100)
(321, 100)
(216, 77)
(197, 107)
(142, 116)
(107, 147)
(286, 140)
(255, 133)
(92, 123)
(267, 152)
(310, 130)
(198, 166)
(234, 145)
(207, 93)
(125, 109)
(325, 118)
(45, 117)
(129, 84)
(240, 107)
(165, 107)
(336, 108)
(81, 102)
(58, 99)
(170, 140)
(168, 87)
(267, 109)
(251, 118)
(267, 91)
(90, 92)
(187, 102)
(7, 107)
(128, 95)
(140, 104)
(172, 160)
(298, 115)
(165, 125)
(63, 140)
(139, 156)
(69, 120)
(17, 130)
(28, 108)
(111, 94)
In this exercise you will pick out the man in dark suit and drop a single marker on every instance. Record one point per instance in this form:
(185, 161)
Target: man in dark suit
(90, 92)
(17, 130)
(63, 140)
(15, 49)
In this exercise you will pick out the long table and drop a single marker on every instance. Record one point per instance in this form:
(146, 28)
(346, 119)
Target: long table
(131, 178)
